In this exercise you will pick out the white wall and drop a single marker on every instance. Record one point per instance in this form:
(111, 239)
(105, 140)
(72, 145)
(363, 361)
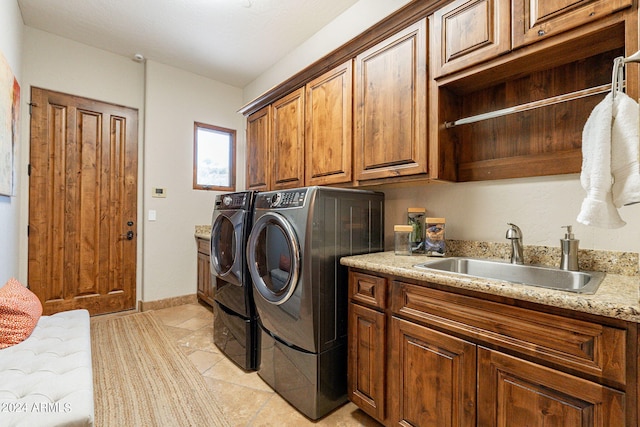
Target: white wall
(345, 27)
(11, 48)
(168, 101)
(539, 206)
(175, 99)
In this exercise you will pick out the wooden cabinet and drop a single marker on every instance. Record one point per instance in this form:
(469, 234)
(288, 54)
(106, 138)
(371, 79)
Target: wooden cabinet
(515, 392)
(287, 141)
(433, 377)
(258, 149)
(467, 32)
(366, 377)
(390, 134)
(328, 137)
(205, 286)
(535, 20)
(367, 342)
(542, 66)
(453, 359)
(522, 114)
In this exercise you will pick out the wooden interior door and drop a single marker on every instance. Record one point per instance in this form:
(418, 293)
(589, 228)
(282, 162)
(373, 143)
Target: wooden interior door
(82, 203)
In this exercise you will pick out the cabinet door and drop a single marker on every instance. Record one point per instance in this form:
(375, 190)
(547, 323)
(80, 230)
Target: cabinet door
(513, 392)
(205, 290)
(258, 158)
(366, 364)
(534, 20)
(288, 141)
(467, 32)
(391, 88)
(328, 138)
(433, 381)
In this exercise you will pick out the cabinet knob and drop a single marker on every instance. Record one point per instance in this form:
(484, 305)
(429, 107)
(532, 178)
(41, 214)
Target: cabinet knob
(541, 33)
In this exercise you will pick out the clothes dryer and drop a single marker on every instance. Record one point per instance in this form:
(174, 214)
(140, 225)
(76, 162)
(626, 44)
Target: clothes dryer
(300, 288)
(234, 325)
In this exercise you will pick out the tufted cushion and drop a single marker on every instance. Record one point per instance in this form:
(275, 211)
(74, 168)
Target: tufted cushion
(20, 310)
(47, 379)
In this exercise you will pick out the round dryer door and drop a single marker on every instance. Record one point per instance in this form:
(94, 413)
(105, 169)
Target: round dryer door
(223, 245)
(273, 256)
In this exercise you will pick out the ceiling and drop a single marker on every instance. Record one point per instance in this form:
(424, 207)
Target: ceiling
(231, 41)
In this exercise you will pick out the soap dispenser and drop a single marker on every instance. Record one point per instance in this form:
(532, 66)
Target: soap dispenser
(569, 248)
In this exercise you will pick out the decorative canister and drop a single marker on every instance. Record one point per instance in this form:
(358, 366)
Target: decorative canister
(435, 241)
(416, 219)
(402, 235)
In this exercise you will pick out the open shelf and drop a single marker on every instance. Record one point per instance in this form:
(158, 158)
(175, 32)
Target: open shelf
(561, 87)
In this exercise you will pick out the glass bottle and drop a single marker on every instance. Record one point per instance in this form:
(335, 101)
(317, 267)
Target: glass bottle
(416, 219)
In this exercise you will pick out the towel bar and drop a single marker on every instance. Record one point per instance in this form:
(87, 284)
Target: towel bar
(617, 80)
(596, 90)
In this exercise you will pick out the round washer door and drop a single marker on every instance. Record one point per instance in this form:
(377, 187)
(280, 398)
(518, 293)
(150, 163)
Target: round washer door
(273, 255)
(224, 246)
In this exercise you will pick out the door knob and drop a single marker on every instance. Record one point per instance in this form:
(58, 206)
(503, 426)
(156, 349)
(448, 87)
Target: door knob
(129, 235)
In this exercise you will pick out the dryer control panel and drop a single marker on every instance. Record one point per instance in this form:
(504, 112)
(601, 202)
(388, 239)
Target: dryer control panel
(233, 201)
(281, 199)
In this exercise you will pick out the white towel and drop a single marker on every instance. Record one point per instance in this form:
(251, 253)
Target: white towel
(598, 209)
(624, 151)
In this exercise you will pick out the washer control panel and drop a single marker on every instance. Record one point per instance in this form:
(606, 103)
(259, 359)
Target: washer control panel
(281, 199)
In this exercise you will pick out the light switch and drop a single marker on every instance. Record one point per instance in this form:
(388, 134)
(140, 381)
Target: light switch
(152, 215)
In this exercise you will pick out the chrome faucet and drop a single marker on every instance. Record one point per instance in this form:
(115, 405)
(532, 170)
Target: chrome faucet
(515, 235)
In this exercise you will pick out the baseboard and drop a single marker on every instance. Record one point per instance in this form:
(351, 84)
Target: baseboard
(167, 302)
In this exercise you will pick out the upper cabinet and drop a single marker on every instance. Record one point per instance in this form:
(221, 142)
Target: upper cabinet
(258, 148)
(521, 114)
(468, 32)
(390, 134)
(534, 20)
(461, 90)
(328, 137)
(287, 144)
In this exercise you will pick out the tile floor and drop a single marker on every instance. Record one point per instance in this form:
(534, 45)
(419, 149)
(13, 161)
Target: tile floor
(245, 399)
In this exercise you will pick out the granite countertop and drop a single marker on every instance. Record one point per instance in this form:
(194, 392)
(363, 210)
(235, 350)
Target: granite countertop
(617, 296)
(203, 232)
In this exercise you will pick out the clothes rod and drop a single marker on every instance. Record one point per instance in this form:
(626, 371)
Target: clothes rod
(596, 90)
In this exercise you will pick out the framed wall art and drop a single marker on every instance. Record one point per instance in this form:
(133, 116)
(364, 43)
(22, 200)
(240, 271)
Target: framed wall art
(9, 126)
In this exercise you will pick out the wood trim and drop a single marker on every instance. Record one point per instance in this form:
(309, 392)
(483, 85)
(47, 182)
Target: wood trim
(521, 166)
(167, 302)
(232, 157)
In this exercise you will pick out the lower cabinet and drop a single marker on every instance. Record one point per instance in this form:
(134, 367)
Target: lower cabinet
(514, 392)
(432, 377)
(435, 358)
(205, 286)
(366, 375)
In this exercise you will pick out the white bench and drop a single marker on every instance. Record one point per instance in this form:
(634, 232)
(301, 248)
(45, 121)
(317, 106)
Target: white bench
(47, 379)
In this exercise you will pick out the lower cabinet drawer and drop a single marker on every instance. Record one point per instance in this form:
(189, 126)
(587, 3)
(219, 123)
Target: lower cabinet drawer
(587, 347)
(368, 290)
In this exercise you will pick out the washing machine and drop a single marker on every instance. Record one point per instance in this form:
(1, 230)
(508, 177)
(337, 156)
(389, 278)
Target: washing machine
(235, 330)
(300, 288)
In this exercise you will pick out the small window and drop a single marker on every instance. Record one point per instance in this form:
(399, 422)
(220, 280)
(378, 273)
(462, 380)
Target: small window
(214, 158)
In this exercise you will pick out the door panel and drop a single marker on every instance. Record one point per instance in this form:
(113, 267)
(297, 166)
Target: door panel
(516, 393)
(82, 203)
(434, 381)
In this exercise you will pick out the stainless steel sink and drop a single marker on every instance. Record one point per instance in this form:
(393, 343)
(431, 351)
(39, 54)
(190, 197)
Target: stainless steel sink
(584, 282)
